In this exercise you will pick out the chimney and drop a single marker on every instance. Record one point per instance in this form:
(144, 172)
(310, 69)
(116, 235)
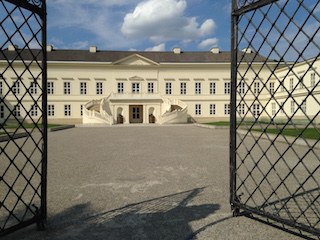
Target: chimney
(93, 49)
(177, 50)
(49, 48)
(12, 48)
(215, 50)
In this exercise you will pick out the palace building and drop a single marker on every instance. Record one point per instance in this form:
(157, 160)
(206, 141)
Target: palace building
(124, 87)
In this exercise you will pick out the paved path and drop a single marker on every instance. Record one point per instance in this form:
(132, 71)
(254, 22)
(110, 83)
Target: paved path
(142, 182)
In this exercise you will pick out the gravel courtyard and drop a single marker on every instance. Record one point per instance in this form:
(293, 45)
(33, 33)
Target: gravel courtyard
(142, 182)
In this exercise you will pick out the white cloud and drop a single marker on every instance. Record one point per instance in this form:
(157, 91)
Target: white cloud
(208, 43)
(158, 48)
(164, 20)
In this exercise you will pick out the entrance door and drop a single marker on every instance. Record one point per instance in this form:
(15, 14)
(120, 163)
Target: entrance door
(136, 114)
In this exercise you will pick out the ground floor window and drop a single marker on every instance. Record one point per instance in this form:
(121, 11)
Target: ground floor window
(1, 111)
(198, 109)
(273, 109)
(226, 109)
(81, 110)
(256, 110)
(212, 109)
(292, 106)
(34, 110)
(67, 110)
(50, 110)
(241, 109)
(17, 111)
(304, 106)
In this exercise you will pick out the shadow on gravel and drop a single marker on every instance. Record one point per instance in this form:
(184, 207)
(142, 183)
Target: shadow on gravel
(162, 218)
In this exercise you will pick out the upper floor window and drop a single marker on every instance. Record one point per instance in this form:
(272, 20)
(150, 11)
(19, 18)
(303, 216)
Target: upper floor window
(183, 88)
(198, 109)
(150, 87)
(312, 79)
(67, 88)
(83, 88)
(291, 84)
(212, 87)
(227, 87)
(99, 88)
(198, 88)
(271, 87)
(33, 88)
(50, 87)
(135, 87)
(256, 87)
(120, 87)
(168, 88)
(16, 87)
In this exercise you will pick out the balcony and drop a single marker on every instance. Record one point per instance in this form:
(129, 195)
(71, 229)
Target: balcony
(134, 96)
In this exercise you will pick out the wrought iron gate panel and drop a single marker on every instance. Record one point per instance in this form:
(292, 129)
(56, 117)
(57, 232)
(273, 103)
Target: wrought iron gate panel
(23, 114)
(275, 75)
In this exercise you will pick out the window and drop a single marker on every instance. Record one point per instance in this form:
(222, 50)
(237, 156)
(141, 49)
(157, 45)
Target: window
(168, 88)
(135, 87)
(50, 87)
(99, 88)
(292, 106)
(304, 106)
(67, 110)
(312, 79)
(1, 88)
(256, 87)
(16, 87)
(50, 110)
(291, 84)
(271, 87)
(67, 88)
(242, 88)
(212, 109)
(282, 87)
(150, 87)
(212, 87)
(226, 109)
(83, 88)
(256, 110)
(33, 88)
(183, 88)
(241, 108)
(17, 111)
(301, 82)
(81, 110)
(198, 88)
(1, 111)
(227, 86)
(198, 109)
(273, 109)
(282, 107)
(34, 110)
(120, 87)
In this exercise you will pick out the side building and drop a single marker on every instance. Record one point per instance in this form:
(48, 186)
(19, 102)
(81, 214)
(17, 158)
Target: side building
(115, 87)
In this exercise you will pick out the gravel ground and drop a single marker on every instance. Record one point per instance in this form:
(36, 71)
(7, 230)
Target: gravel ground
(140, 182)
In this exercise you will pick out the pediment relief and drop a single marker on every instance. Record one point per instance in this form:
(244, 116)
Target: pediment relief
(135, 60)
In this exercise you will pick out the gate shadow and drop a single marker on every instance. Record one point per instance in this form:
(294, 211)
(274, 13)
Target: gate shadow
(166, 217)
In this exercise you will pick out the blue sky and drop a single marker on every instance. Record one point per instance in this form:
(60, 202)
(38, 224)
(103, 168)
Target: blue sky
(160, 25)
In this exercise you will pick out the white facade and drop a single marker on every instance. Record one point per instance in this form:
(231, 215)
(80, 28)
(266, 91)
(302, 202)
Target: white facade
(137, 89)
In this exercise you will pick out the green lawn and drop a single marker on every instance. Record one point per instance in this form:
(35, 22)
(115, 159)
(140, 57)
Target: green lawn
(310, 133)
(29, 125)
(221, 123)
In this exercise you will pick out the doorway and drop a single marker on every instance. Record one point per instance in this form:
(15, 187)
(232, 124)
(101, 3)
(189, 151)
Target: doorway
(136, 113)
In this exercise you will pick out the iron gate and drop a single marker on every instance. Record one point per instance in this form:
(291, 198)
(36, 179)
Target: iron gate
(23, 121)
(275, 113)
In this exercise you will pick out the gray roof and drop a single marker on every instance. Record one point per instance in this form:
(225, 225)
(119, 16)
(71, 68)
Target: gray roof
(113, 56)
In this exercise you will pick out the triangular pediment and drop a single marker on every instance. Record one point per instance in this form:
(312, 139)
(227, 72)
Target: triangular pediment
(135, 60)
